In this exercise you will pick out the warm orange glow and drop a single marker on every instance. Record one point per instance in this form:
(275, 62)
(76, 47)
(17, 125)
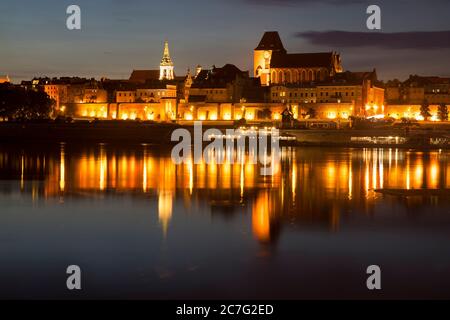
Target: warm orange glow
(165, 209)
(261, 217)
(62, 171)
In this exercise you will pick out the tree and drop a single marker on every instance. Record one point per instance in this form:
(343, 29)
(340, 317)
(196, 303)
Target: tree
(442, 112)
(311, 113)
(18, 103)
(265, 114)
(425, 110)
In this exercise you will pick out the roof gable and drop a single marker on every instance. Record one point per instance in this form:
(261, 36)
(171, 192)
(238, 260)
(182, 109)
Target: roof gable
(271, 41)
(144, 75)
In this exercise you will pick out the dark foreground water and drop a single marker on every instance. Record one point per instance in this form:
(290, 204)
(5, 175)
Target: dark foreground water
(141, 227)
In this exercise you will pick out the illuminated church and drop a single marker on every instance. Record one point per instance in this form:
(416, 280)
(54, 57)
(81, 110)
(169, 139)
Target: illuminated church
(166, 66)
(165, 72)
(273, 65)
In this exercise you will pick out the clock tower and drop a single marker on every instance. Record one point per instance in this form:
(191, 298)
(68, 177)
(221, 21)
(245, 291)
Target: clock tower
(262, 55)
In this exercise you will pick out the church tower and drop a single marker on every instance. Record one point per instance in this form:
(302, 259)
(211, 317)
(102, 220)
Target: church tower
(166, 66)
(262, 55)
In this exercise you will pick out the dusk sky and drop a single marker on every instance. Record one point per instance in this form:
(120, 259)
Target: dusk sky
(119, 36)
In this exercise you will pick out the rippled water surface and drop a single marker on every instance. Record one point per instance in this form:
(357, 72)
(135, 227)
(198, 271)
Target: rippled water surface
(140, 226)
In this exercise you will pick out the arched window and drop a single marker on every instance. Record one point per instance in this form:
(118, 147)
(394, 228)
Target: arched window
(274, 77)
(296, 77)
(304, 78)
(311, 75)
(258, 71)
(287, 76)
(280, 77)
(318, 77)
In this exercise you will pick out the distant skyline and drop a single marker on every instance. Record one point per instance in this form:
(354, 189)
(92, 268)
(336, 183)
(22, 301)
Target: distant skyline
(119, 36)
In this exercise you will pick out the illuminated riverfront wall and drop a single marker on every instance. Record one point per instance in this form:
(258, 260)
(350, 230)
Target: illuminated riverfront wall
(89, 110)
(228, 111)
(329, 110)
(143, 111)
(162, 111)
(411, 111)
(375, 98)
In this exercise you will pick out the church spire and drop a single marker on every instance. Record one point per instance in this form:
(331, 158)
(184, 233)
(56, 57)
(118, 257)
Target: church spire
(166, 66)
(166, 61)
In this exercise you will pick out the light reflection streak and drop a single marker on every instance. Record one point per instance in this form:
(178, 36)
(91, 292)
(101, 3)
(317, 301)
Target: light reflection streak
(306, 182)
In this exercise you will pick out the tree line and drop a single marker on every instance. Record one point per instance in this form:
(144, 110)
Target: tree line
(17, 103)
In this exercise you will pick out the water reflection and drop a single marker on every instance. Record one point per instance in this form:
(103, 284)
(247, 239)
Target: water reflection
(314, 186)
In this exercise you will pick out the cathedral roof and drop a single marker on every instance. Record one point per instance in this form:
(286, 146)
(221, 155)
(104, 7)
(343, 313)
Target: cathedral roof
(271, 41)
(349, 77)
(144, 75)
(218, 77)
(302, 60)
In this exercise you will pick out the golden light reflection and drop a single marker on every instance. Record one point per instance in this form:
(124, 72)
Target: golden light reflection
(103, 166)
(165, 199)
(22, 169)
(62, 170)
(350, 181)
(408, 173)
(294, 179)
(261, 217)
(317, 182)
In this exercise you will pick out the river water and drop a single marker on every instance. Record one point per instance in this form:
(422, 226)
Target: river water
(140, 226)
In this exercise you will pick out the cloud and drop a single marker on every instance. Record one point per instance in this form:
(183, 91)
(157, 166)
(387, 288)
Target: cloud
(300, 2)
(421, 40)
(334, 2)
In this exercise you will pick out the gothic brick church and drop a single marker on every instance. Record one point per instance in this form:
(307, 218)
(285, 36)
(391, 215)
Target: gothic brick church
(273, 65)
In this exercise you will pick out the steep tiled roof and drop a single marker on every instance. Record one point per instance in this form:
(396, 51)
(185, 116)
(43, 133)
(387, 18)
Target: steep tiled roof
(302, 60)
(271, 41)
(218, 77)
(144, 75)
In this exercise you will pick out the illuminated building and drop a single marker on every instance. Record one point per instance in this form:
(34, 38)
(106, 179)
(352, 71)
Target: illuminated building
(346, 94)
(273, 65)
(409, 111)
(224, 84)
(57, 92)
(94, 95)
(166, 66)
(417, 89)
(151, 93)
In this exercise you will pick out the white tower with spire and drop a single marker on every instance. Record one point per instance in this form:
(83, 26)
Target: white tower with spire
(166, 66)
